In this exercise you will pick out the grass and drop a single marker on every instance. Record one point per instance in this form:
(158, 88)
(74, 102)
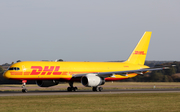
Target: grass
(138, 102)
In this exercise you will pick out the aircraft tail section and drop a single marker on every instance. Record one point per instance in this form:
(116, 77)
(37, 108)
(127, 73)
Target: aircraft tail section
(138, 55)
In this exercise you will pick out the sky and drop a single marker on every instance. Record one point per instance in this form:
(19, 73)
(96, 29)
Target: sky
(93, 30)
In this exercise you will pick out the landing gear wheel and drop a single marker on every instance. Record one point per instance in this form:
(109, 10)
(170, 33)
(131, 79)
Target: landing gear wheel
(75, 88)
(100, 88)
(72, 89)
(69, 89)
(24, 90)
(97, 88)
(94, 88)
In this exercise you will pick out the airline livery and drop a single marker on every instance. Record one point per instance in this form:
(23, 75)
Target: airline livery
(90, 74)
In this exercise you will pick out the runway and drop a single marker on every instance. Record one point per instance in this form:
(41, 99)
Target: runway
(82, 92)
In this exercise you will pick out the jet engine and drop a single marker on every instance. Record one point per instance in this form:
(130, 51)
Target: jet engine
(91, 80)
(47, 83)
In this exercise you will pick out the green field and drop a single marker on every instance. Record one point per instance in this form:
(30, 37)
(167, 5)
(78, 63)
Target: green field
(147, 102)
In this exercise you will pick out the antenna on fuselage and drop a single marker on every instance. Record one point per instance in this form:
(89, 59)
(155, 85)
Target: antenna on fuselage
(58, 60)
(18, 61)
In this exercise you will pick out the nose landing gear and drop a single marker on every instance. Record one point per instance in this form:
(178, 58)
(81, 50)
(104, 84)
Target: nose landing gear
(24, 90)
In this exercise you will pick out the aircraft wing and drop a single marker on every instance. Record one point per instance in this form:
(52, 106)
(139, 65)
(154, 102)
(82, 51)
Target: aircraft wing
(122, 73)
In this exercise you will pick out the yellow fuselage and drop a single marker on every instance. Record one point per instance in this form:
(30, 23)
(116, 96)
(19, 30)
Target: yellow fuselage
(40, 70)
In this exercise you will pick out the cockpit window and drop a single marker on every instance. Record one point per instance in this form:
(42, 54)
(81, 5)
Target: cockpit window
(14, 68)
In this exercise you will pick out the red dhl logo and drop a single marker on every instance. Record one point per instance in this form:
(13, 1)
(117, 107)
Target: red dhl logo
(47, 70)
(139, 53)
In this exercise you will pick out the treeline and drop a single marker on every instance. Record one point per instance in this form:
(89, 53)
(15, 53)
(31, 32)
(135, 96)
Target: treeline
(169, 75)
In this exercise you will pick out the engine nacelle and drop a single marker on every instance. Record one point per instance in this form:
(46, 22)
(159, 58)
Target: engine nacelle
(91, 80)
(47, 83)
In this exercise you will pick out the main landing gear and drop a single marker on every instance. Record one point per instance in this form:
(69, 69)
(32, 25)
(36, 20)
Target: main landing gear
(97, 88)
(24, 90)
(71, 88)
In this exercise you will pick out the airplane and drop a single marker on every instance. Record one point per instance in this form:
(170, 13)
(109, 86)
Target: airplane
(90, 74)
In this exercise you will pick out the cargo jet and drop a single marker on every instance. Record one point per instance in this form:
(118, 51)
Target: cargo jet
(90, 74)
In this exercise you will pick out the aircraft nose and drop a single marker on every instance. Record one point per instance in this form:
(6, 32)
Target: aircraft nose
(5, 75)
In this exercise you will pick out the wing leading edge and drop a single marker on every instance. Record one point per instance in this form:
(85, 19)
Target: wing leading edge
(122, 73)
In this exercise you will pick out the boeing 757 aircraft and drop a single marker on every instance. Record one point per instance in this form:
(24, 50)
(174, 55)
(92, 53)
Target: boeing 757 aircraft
(90, 74)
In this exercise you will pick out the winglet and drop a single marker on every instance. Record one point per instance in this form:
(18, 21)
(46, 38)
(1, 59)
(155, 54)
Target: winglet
(138, 55)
